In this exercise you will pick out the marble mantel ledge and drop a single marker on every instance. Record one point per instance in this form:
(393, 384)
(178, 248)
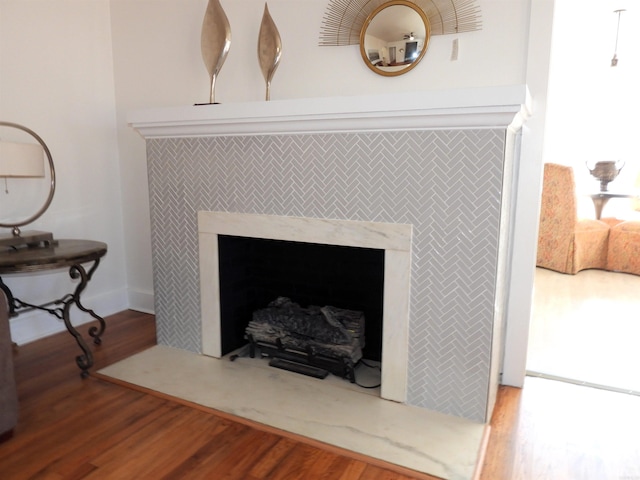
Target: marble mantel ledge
(485, 107)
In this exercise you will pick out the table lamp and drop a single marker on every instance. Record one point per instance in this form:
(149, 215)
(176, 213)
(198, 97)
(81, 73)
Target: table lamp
(25, 160)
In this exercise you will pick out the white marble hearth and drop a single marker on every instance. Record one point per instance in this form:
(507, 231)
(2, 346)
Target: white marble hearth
(327, 410)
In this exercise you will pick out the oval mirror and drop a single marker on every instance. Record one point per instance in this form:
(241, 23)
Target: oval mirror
(394, 38)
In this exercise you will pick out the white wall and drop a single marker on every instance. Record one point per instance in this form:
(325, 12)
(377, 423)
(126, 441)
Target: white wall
(56, 77)
(526, 209)
(592, 107)
(162, 40)
(73, 70)
(588, 115)
(157, 62)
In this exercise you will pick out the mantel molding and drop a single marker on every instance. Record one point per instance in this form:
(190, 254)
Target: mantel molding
(490, 107)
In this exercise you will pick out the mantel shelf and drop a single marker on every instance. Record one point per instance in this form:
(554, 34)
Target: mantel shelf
(490, 107)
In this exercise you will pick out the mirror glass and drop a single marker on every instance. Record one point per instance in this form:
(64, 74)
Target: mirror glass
(394, 37)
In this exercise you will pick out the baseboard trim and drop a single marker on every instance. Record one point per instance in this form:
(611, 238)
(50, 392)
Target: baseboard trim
(141, 301)
(557, 378)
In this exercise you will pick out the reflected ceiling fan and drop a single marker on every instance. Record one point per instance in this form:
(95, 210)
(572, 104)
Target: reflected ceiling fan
(408, 36)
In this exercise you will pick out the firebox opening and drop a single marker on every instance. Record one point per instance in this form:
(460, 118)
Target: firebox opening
(253, 272)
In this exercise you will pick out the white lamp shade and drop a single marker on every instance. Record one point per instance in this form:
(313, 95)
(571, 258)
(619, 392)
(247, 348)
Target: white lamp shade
(21, 160)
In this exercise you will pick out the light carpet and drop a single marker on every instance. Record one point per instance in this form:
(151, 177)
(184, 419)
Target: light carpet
(329, 411)
(585, 328)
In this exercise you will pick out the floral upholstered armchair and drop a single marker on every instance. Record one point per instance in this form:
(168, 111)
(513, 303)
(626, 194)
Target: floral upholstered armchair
(624, 248)
(624, 242)
(566, 244)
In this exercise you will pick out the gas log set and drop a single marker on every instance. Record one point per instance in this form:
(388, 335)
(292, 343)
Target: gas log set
(314, 341)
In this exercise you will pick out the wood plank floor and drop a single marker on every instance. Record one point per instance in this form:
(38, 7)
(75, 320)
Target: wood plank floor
(71, 428)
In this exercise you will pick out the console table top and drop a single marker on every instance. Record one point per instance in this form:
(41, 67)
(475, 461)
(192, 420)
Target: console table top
(64, 254)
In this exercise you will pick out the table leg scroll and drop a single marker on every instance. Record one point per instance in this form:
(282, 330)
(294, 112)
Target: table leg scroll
(10, 299)
(94, 332)
(84, 361)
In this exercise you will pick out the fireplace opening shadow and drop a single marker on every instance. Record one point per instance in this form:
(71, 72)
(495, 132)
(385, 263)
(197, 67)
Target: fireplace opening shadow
(254, 272)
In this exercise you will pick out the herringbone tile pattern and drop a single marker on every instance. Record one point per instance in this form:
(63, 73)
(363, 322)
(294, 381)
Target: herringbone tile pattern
(446, 183)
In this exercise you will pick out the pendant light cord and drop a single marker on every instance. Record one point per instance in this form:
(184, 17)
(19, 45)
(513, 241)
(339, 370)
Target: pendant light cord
(614, 60)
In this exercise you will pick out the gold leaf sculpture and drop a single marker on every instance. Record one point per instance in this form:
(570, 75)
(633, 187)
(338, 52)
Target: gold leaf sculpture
(269, 48)
(215, 42)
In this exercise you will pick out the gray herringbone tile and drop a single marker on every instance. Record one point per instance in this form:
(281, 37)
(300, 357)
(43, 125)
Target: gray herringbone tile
(446, 183)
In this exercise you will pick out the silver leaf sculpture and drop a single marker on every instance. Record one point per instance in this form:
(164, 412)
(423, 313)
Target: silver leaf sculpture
(269, 48)
(215, 41)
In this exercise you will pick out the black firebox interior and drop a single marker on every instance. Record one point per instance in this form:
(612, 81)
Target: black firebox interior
(254, 272)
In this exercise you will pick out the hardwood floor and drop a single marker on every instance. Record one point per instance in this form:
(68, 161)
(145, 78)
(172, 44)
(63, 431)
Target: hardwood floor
(555, 430)
(71, 428)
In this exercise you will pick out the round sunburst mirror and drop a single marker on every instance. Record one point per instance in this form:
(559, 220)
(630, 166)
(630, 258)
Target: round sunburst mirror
(394, 38)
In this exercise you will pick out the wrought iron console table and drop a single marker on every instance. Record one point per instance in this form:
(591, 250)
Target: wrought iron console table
(61, 254)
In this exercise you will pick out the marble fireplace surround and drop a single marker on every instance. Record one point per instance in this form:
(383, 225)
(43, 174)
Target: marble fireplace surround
(472, 132)
(394, 239)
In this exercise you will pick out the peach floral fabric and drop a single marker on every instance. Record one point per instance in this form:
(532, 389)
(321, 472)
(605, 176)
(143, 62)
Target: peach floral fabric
(635, 202)
(624, 248)
(566, 244)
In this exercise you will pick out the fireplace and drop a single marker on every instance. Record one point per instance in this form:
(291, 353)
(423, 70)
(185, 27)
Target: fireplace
(435, 169)
(392, 239)
(255, 272)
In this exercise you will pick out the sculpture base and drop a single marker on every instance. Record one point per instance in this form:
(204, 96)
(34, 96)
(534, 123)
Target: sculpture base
(30, 239)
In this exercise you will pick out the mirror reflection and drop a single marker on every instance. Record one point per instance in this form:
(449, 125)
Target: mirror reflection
(394, 38)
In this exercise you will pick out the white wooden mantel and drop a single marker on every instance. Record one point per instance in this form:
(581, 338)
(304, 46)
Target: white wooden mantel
(488, 107)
